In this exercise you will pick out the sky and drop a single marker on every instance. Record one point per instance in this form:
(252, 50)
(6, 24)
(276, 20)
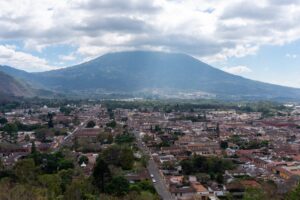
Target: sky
(257, 39)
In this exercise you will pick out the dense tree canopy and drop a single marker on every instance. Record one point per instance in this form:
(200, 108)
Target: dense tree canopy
(91, 124)
(213, 166)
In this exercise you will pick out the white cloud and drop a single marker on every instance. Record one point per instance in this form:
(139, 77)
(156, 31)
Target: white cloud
(237, 70)
(291, 55)
(213, 30)
(11, 57)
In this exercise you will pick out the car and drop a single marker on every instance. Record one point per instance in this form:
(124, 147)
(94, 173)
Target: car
(153, 180)
(152, 176)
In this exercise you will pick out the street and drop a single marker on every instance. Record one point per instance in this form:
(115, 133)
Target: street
(160, 185)
(69, 137)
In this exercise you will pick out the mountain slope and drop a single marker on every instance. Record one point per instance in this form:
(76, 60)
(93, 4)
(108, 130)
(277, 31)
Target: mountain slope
(141, 71)
(10, 87)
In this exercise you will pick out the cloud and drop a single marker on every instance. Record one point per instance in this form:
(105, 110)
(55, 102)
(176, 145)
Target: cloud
(129, 6)
(252, 11)
(237, 70)
(291, 55)
(11, 57)
(284, 2)
(208, 29)
(94, 25)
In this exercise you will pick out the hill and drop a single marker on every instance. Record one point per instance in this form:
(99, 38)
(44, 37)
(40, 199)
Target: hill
(142, 72)
(10, 87)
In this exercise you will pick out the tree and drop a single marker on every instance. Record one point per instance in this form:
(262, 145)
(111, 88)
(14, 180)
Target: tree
(66, 176)
(148, 196)
(218, 129)
(33, 148)
(51, 163)
(27, 138)
(101, 174)
(220, 178)
(118, 186)
(80, 189)
(210, 165)
(112, 124)
(10, 128)
(147, 138)
(66, 110)
(164, 144)
(119, 156)
(144, 160)
(294, 194)
(124, 138)
(111, 155)
(24, 192)
(187, 167)
(41, 134)
(126, 158)
(1, 165)
(52, 182)
(110, 138)
(271, 190)
(157, 128)
(168, 165)
(91, 124)
(83, 159)
(254, 194)
(146, 185)
(3, 120)
(76, 120)
(203, 177)
(224, 144)
(105, 138)
(50, 120)
(65, 164)
(25, 170)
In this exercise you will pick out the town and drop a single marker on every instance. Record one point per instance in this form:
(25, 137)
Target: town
(149, 150)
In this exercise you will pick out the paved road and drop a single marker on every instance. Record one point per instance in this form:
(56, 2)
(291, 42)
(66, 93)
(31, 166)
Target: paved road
(69, 137)
(160, 185)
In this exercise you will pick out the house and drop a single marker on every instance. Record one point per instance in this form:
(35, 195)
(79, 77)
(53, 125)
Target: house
(250, 184)
(237, 172)
(194, 191)
(175, 180)
(166, 158)
(207, 148)
(201, 191)
(235, 189)
(217, 189)
(138, 177)
(286, 172)
(174, 150)
(90, 134)
(182, 193)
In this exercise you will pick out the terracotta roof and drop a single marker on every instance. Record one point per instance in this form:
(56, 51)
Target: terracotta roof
(250, 183)
(88, 132)
(199, 187)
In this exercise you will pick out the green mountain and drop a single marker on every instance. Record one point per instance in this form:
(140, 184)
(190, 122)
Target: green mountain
(142, 72)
